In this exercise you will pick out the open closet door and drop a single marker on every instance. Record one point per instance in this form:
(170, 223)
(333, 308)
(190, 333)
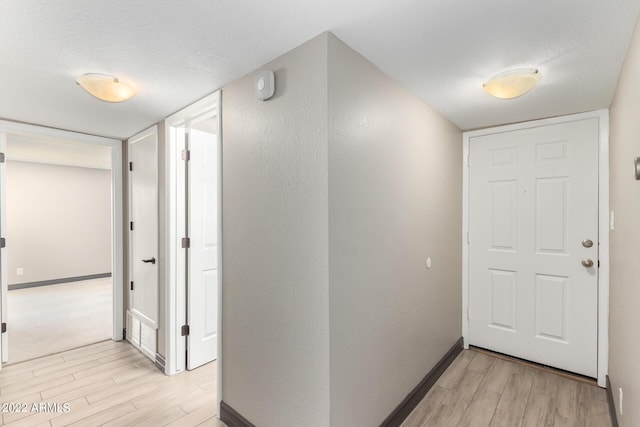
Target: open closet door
(193, 285)
(202, 290)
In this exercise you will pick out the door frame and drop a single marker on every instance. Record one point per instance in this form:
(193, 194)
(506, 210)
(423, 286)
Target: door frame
(117, 214)
(603, 224)
(175, 313)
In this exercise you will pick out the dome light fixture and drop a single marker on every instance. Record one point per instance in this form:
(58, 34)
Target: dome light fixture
(512, 84)
(106, 87)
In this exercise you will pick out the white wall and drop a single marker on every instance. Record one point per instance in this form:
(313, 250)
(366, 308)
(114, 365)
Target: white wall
(334, 193)
(624, 348)
(275, 311)
(395, 184)
(58, 221)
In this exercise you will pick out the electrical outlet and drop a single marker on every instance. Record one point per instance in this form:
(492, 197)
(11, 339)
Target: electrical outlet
(620, 392)
(19, 271)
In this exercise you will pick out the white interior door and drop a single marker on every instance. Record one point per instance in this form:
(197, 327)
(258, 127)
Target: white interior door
(533, 207)
(142, 319)
(202, 289)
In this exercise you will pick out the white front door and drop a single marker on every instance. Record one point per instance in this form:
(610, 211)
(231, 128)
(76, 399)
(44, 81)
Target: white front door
(142, 318)
(202, 288)
(533, 274)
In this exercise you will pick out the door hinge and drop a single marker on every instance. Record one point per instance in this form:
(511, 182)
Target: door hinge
(3, 242)
(124, 333)
(468, 314)
(1, 157)
(130, 166)
(468, 238)
(132, 285)
(184, 330)
(131, 225)
(186, 242)
(598, 263)
(186, 155)
(4, 327)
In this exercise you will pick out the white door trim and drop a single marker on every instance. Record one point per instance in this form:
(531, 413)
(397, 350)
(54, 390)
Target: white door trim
(603, 224)
(175, 360)
(174, 309)
(4, 288)
(117, 215)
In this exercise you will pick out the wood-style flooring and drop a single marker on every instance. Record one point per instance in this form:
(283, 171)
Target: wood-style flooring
(479, 389)
(107, 384)
(112, 384)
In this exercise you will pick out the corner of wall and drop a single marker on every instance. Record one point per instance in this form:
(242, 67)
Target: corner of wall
(275, 308)
(395, 191)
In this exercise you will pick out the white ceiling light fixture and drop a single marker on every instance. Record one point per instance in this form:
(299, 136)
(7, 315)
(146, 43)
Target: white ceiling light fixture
(106, 87)
(512, 84)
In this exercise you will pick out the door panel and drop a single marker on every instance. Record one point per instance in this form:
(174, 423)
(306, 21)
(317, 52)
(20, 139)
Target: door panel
(504, 215)
(203, 253)
(503, 299)
(551, 215)
(551, 307)
(533, 198)
(143, 197)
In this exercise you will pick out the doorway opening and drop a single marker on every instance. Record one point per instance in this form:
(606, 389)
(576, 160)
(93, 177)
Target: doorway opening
(61, 220)
(58, 198)
(193, 285)
(535, 245)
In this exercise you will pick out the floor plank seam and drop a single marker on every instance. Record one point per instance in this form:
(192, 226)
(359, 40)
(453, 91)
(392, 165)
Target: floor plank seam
(544, 368)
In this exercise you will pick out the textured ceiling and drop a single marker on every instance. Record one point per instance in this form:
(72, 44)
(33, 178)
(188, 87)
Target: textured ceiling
(176, 52)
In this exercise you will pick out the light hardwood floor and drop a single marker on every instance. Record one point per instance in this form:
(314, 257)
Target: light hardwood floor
(106, 384)
(482, 390)
(112, 384)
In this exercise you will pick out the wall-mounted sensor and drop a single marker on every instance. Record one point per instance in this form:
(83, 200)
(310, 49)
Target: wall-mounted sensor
(264, 85)
(636, 163)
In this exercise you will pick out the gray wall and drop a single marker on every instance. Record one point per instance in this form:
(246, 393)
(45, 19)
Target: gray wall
(334, 193)
(58, 221)
(275, 312)
(395, 191)
(624, 348)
